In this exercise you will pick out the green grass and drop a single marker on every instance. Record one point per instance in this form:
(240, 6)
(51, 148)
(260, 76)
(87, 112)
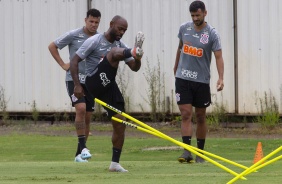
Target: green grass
(35, 158)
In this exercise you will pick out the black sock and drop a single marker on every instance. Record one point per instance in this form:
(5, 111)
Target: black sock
(186, 139)
(78, 150)
(201, 143)
(81, 140)
(116, 155)
(127, 53)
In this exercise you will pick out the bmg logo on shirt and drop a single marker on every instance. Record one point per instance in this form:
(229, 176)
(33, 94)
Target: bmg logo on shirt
(193, 51)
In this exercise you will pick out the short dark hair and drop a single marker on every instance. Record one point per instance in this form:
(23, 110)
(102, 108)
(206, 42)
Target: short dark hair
(195, 5)
(93, 12)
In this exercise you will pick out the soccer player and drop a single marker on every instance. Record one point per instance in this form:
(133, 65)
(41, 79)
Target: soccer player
(84, 106)
(197, 41)
(102, 53)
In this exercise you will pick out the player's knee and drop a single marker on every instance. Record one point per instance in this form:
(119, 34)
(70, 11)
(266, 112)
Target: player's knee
(80, 110)
(186, 115)
(116, 54)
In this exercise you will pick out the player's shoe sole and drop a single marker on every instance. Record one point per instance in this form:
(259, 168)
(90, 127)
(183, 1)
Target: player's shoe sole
(138, 51)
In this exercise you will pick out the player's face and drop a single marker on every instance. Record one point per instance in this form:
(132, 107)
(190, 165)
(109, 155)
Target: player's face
(198, 17)
(118, 29)
(92, 23)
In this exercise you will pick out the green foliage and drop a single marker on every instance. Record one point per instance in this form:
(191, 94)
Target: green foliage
(218, 114)
(66, 117)
(268, 109)
(57, 116)
(3, 105)
(156, 91)
(34, 112)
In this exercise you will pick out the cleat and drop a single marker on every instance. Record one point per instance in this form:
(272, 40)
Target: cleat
(186, 157)
(79, 159)
(137, 51)
(199, 160)
(85, 154)
(116, 167)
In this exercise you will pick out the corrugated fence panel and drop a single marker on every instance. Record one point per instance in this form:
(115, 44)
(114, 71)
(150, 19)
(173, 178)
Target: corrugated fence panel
(259, 55)
(30, 72)
(160, 21)
(220, 16)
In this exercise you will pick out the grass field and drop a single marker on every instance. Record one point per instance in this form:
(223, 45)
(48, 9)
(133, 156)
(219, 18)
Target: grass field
(36, 157)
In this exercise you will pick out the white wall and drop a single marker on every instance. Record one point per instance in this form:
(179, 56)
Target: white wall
(260, 52)
(29, 73)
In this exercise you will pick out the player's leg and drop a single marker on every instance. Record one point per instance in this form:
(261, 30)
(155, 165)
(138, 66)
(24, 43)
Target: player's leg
(202, 101)
(114, 98)
(80, 125)
(88, 117)
(201, 131)
(186, 112)
(117, 141)
(184, 99)
(90, 105)
(118, 54)
(80, 110)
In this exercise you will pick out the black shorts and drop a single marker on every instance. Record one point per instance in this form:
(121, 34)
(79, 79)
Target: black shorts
(195, 93)
(102, 85)
(88, 99)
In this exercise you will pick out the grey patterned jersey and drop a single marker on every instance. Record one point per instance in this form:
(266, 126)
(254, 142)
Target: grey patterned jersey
(94, 49)
(195, 57)
(74, 39)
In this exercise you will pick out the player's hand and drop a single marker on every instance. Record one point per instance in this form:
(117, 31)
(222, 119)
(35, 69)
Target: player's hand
(78, 91)
(219, 85)
(66, 66)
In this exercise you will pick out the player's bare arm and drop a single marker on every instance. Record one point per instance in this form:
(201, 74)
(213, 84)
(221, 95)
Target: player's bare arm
(220, 69)
(55, 53)
(177, 56)
(78, 90)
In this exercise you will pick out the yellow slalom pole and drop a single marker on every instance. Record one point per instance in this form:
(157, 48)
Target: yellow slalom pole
(254, 166)
(216, 156)
(161, 135)
(154, 130)
(265, 164)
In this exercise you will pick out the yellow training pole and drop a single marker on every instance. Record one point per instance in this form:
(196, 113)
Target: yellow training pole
(253, 167)
(154, 130)
(159, 134)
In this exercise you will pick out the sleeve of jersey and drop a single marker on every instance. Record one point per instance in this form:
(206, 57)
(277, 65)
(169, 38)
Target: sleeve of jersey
(180, 33)
(126, 59)
(216, 44)
(87, 47)
(64, 40)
